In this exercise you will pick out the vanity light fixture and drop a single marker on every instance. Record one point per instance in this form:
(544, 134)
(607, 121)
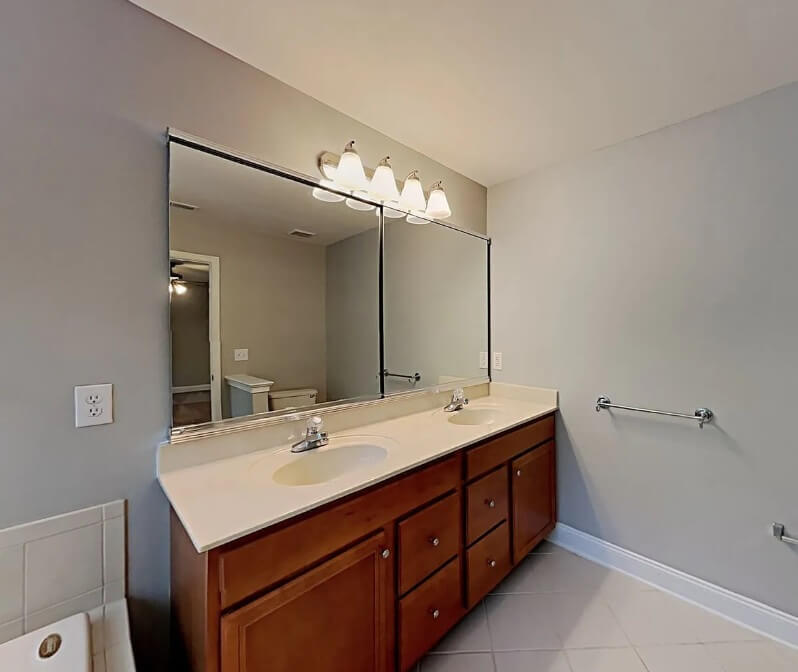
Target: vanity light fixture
(349, 173)
(437, 205)
(346, 173)
(412, 197)
(383, 182)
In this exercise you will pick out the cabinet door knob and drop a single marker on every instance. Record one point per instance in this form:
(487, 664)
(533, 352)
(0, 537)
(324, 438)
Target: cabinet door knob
(386, 553)
(491, 503)
(435, 613)
(434, 541)
(491, 563)
(517, 472)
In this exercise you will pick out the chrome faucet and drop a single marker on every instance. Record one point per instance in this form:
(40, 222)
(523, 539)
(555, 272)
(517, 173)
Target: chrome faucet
(314, 437)
(458, 401)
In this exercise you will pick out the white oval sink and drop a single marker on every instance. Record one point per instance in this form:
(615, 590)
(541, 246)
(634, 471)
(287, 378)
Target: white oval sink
(324, 464)
(473, 416)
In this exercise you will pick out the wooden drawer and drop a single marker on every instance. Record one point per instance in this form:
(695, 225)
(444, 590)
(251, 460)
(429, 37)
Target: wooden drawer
(252, 565)
(488, 562)
(427, 613)
(502, 449)
(427, 540)
(486, 504)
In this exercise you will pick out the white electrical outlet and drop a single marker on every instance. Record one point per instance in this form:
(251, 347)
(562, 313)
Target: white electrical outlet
(94, 405)
(483, 360)
(497, 361)
(241, 354)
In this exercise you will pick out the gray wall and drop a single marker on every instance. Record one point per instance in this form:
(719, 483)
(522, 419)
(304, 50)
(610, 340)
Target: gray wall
(662, 272)
(436, 303)
(353, 316)
(88, 88)
(267, 288)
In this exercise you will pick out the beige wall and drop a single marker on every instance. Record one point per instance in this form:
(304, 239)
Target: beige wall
(268, 287)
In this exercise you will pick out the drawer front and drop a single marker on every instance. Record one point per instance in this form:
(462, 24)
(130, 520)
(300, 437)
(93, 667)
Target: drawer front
(488, 562)
(502, 449)
(254, 564)
(427, 540)
(486, 504)
(427, 613)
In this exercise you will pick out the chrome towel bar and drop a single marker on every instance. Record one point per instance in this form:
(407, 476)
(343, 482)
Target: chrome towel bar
(703, 415)
(411, 378)
(777, 530)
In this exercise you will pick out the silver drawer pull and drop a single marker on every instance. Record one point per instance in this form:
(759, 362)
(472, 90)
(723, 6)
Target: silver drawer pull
(386, 553)
(491, 563)
(434, 541)
(518, 472)
(491, 503)
(435, 613)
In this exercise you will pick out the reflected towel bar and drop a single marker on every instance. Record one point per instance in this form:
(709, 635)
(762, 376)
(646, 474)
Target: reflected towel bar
(410, 378)
(777, 530)
(703, 415)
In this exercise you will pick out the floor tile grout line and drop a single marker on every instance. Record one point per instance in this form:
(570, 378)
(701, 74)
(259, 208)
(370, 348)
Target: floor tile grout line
(484, 606)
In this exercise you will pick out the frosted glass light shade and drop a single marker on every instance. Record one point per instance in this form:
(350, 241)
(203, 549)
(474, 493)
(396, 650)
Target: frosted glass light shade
(349, 173)
(438, 206)
(412, 197)
(383, 183)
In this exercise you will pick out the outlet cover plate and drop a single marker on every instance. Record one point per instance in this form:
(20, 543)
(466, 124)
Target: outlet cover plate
(241, 354)
(483, 360)
(497, 361)
(94, 405)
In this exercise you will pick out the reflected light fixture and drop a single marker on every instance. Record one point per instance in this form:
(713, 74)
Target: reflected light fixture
(349, 173)
(383, 183)
(437, 205)
(327, 196)
(359, 205)
(412, 197)
(417, 217)
(392, 211)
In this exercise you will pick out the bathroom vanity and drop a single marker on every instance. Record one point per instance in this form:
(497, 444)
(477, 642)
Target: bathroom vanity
(309, 299)
(373, 579)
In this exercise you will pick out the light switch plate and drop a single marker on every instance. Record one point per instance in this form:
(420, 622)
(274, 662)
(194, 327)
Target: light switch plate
(241, 354)
(483, 360)
(497, 361)
(94, 405)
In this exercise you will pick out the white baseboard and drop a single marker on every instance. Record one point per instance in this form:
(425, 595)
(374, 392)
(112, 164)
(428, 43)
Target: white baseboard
(742, 610)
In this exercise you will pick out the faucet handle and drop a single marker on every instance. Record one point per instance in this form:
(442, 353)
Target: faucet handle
(458, 394)
(314, 424)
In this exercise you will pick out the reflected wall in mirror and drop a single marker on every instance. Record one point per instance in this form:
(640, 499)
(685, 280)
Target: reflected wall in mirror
(435, 303)
(274, 292)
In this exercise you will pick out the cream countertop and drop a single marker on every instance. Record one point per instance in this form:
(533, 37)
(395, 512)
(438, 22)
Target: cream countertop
(225, 499)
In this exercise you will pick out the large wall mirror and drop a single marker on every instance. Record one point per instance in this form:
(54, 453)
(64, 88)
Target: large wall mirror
(275, 299)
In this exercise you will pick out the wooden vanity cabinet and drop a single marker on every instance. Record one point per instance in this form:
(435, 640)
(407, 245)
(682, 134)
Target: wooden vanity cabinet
(371, 582)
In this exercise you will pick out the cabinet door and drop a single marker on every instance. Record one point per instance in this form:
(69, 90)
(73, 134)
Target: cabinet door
(533, 494)
(337, 617)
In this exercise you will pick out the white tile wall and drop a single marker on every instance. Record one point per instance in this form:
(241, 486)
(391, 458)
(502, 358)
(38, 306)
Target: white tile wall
(59, 566)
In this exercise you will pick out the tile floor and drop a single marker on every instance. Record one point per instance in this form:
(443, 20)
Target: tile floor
(558, 612)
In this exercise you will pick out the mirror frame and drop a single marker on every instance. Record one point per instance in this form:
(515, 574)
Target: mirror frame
(229, 425)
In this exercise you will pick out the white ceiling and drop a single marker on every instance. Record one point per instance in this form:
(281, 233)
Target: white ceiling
(235, 195)
(496, 89)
